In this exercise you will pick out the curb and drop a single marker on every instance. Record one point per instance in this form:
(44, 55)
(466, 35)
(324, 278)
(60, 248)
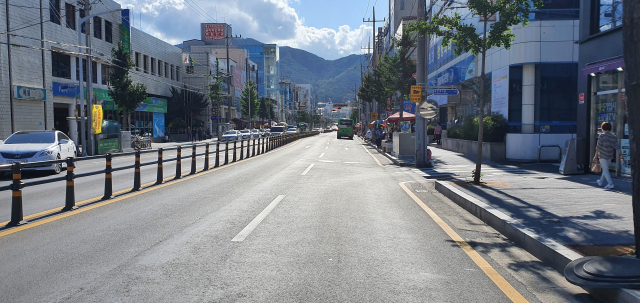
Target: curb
(548, 251)
(393, 159)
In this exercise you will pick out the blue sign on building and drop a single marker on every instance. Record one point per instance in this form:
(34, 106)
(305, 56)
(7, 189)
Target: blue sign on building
(461, 71)
(409, 107)
(158, 124)
(445, 92)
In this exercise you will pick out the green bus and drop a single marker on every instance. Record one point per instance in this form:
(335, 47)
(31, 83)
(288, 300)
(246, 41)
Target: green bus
(345, 128)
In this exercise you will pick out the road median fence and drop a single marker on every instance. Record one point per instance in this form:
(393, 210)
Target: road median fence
(252, 148)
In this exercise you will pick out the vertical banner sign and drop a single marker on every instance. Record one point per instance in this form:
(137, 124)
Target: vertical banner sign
(214, 32)
(409, 107)
(125, 31)
(581, 99)
(500, 92)
(158, 125)
(96, 116)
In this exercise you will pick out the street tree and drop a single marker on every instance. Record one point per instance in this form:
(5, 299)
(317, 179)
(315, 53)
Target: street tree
(215, 89)
(186, 104)
(631, 42)
(125, 94)
(398, 70)
(467, 38)
(263, 111)
(249, 101)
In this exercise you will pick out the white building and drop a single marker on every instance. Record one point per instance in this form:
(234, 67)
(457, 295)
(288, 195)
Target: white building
(44, 61)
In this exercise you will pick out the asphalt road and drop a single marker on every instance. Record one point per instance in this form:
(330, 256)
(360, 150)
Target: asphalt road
(319, 220)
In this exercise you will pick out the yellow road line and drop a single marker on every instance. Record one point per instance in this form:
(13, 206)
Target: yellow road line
(370, 154)
(497, 279)
(145, 188)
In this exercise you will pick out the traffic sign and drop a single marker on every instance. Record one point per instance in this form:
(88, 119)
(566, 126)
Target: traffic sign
(416, 90)
(374, 116)
(416, 99)
(445, 92)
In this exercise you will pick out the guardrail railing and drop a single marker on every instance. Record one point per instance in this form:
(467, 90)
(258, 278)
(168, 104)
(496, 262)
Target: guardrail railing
(264, 145)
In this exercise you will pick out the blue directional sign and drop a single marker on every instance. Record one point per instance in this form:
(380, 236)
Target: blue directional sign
(441, 92)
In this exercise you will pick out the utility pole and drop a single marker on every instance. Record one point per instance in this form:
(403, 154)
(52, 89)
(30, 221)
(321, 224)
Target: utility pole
(89, 82)
(374, 61)
(422, 140)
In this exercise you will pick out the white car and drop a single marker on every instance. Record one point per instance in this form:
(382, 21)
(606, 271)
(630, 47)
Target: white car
(246, 134)
(231, 135)
(256, 134)
(292, 131)
(37, 146)
(317, 130)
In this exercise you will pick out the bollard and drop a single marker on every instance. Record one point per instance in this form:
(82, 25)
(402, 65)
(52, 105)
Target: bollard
(179, 163)
(206, 157)
(70, 200)
(136, 174)
(160, 177)
(253, 148)
(263, 143)
(217, 163)
(234, 150)
(241, 149)
(226, 154)
(193, 159)
(259, 145)
(248, 149)
(108, 184)
(16, 197)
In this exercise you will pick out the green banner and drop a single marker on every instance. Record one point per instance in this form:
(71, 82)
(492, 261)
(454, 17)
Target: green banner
(107, 145)
(152, 105)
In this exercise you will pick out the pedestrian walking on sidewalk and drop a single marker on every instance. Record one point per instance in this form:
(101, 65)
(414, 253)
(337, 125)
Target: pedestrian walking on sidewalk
(193, 134)
(379, 136)
(189, 134)
(438, 133)
(368, 135)
(200, 134)
(605, 151)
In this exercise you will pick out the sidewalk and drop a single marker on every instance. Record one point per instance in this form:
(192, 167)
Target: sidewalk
(556, 218)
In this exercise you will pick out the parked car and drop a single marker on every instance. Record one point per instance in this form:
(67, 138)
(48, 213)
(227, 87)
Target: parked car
(246, 134)
(256, 134)
(292, 131)
(277, 130)
(317, 129)
(37, 146)
(231, 135)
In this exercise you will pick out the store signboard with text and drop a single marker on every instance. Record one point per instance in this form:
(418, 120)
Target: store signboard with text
(500, 92)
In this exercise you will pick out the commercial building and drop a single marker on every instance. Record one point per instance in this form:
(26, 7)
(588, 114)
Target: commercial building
(39, 70)
(601, 80)
(267, 57)
(533, 84)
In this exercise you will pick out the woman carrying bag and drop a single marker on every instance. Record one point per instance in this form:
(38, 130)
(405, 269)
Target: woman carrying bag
(605, 151)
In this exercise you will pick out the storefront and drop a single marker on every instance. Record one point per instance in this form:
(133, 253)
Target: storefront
(608, 104)
(148, 118)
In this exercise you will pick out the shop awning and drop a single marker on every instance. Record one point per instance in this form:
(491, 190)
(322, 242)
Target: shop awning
(395, 118)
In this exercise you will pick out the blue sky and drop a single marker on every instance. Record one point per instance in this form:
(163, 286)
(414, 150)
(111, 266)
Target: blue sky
(330, 29)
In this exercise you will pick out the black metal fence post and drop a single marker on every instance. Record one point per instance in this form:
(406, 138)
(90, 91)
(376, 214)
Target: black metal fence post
(193, 159)
(179, 163)
(217, 163)
(263, 144)
(136, 174)
(108, 183)
(206, 157)
(241, 149)
(248, 148)
(234, 150)
(70, 199)
(160, 177)
(16, 197)
(226, 153)
(253, 149)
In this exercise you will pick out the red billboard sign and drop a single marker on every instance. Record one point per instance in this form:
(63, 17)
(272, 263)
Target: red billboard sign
(214, 32)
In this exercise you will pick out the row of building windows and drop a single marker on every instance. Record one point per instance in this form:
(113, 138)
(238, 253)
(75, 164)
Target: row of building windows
(61, 68)
(70, 20)
(156, 67)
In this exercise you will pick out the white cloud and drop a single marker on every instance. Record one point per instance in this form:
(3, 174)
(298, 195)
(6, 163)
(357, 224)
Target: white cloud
(268, 21)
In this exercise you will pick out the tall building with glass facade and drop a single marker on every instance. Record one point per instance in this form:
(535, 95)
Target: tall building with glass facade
(267, 58)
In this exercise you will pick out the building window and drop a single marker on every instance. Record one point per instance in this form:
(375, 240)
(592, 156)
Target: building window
(54, 11)
(557, 87)
(166, 70)
(84, 69)
(189, 69)
(60, 65)
(70, 15)
(83, 26)
(153, 66)
(160, 68)
(108, 34)
(401, 5)
(94, 72)
(97, 27)
(608, 15)
(177, 73)
(137, 61)
(172, 76)
(145, 63)
(106, 74)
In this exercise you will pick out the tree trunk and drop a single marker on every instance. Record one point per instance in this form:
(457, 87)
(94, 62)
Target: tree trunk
(631, 41)
(478, 172)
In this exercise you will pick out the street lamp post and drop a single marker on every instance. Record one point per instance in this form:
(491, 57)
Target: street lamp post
(83, 128)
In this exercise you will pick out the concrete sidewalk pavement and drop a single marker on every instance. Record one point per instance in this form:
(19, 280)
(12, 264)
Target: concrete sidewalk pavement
(556, 218)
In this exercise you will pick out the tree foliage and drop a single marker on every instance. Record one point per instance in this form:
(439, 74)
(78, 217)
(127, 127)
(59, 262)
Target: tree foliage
(185, 104)
(215, 89)
(125, 94)
(250, 100)
(467, 38)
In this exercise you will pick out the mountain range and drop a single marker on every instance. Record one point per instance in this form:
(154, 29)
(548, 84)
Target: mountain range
(334, 80)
